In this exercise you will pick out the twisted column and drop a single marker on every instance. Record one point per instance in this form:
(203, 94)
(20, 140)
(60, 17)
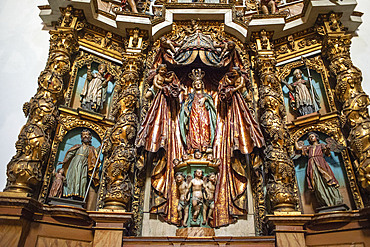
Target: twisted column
(24, 171)
(279, 168)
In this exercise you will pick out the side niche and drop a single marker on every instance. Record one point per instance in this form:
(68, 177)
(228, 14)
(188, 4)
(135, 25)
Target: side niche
(319, 166)
(73, 167)
(305, 89)
(99, 95)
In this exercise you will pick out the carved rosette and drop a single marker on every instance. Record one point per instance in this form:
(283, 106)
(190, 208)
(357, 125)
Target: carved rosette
(25, 169)
(349, 92)
(278, 166)
(119, 151)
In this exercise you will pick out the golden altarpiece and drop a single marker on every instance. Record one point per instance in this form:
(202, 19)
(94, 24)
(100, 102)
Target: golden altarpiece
(212, 122)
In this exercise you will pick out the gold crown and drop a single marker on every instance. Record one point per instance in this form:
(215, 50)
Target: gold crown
(196, 74)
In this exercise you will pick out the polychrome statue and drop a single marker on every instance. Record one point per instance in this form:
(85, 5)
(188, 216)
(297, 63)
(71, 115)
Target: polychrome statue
(303, 96)
(159, 136)
(237, 134)
(94, 92)
(198, 116)
(183, 205)
(320, 178)
(57, 187)
(79, 163)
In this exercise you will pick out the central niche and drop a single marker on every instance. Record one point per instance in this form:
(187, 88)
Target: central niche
(197, 129)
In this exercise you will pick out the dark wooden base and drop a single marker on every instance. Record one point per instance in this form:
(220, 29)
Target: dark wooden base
(326, 209)
(66, 202)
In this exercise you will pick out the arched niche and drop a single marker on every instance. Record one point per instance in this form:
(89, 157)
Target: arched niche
(335, 161)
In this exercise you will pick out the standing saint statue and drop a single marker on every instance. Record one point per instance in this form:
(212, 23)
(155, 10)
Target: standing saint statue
(198, 116)
(303, 96)
(183, 205)
(320, 178)
(94, 92)
(79, 163)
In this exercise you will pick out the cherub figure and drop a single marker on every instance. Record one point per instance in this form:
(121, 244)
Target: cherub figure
(228, 48)
(320, 177)
(167, 44)
(235, 79)
(210, 188)
(183, 206)
(57, 187)
(269, 6)
(197, 185)
(161, 78)
(194, 26)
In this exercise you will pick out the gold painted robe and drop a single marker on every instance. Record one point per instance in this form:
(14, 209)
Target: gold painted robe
(237, 134)
(160, 130)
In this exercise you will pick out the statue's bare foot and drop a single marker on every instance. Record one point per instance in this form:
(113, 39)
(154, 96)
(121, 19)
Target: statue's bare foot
(204, 222)
(184, 224)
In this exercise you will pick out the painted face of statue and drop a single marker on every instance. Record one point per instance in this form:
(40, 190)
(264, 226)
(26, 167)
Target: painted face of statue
(101, 70)
(61, 171)
(198, 85)
(176, 162)
(198, 173)
(212, 178)
(179, 178)
(312, 138)
(86, 137)
(162, 71)
(198, 155)
(298, 74)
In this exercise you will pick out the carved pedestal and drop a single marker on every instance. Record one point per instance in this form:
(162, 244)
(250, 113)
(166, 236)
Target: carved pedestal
(289, 228)
(110, 227)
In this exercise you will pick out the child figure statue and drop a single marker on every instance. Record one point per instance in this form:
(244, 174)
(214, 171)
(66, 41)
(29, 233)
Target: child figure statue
(210, 188)
(57, 187)
(183, 206)
(197, 185)
(162, 80)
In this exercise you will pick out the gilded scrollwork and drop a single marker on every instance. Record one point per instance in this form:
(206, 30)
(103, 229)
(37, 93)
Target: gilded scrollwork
(294, 44)
(101, 40)
(119, 150)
